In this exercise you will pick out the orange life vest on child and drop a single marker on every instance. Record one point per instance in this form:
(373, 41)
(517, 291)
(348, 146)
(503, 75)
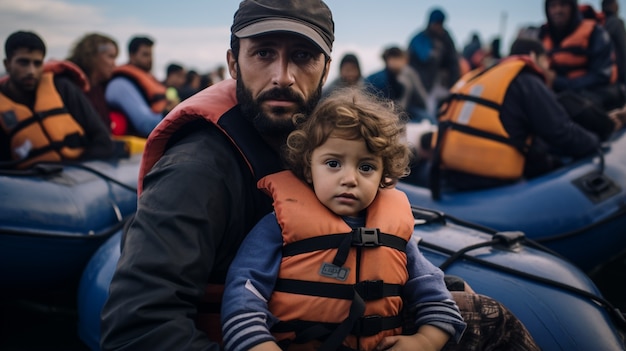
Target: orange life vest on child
(570, 56)
(152, 91)
(471, 137)
(48, 133)
(315, 286)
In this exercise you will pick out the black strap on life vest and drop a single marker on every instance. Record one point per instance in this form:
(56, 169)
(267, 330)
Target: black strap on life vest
(355, 323)
(333, 334)
(307, 331)
(444, 126)
(36, 117)
(367, 237)
(368, 290)
(476, 99)
(73, 141)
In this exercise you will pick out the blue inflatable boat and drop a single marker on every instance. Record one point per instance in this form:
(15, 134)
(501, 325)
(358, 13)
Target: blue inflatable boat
(55, 216)
(557, 302)
(579, 211)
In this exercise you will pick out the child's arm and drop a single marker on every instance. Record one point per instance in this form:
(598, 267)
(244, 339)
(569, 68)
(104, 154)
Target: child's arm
(246, 319)
(427, 338)
(426, 295)
(266, 346)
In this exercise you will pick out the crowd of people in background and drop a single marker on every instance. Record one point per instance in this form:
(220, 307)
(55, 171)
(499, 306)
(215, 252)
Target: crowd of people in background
(582, 61)
(559, 92)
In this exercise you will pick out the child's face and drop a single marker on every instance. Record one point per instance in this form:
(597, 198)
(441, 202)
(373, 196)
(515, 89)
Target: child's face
(345, 175)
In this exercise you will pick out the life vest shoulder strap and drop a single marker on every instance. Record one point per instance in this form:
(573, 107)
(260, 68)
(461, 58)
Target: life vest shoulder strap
(69, 69)
(152, 90)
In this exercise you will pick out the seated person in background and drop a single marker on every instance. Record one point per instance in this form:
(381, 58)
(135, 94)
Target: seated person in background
(503, 124)
(385, 83)
(95, 55)
(44, 117)
(191, 86)
(136, 97)
(349, 75)
(614, 25)
(581, 55)
(346, 158)
(175, 76)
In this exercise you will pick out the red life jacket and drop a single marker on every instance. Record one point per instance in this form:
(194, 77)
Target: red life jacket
(48, 133)
(152, 91)
(314, 287)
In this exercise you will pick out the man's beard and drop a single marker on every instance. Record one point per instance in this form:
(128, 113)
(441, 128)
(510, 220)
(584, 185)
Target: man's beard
(264, 124)
(22, 87)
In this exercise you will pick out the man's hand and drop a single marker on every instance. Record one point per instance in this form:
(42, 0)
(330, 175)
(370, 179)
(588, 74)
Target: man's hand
(618, 116)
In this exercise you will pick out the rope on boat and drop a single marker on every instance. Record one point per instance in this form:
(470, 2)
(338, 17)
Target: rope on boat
(105, 176)
(508, 239)
(51, 168)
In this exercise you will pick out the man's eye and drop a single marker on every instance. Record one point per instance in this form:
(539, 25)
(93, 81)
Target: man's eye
(302, 55)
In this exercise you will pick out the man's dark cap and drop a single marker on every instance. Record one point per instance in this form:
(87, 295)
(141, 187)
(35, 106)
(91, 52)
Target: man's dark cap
(311, 19)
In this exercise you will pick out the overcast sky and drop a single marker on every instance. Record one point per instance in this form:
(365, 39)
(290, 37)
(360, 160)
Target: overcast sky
(196, 33)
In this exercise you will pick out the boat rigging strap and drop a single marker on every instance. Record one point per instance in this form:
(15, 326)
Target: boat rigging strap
(104, 176)
(50, 168)
(509, 239)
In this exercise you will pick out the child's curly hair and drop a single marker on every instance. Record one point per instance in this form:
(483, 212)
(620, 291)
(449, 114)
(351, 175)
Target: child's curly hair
(353, 114)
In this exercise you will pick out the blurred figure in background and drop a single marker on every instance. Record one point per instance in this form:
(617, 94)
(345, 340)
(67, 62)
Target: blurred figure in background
(191, 86)
(349, 75)
(385, 83)
(135, 96)
(615, 27)
(95, 54)
(581, 55)
(71, 130)
(175, 77)
(488, 138)
(473, 52)
(433, 55)
(218, 75)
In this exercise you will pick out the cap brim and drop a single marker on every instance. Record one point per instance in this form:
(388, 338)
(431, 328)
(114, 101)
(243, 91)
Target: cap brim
(267, 26)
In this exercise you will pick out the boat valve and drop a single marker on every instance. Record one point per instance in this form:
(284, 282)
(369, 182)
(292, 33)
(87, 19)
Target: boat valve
(509, 239)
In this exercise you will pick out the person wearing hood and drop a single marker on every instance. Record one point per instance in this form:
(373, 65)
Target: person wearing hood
(581, 54)
(349, 75)
(615, 27)
(433, 55)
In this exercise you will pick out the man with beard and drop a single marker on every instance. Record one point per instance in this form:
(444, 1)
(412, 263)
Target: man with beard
(198, 193)
(44, 116)
(136, 98)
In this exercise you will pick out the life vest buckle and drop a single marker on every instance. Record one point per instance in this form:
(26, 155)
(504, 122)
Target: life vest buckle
(368, 325)
(370, 290)
(367, 237)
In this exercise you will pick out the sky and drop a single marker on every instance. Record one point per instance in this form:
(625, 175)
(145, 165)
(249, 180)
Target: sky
(195, 33)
